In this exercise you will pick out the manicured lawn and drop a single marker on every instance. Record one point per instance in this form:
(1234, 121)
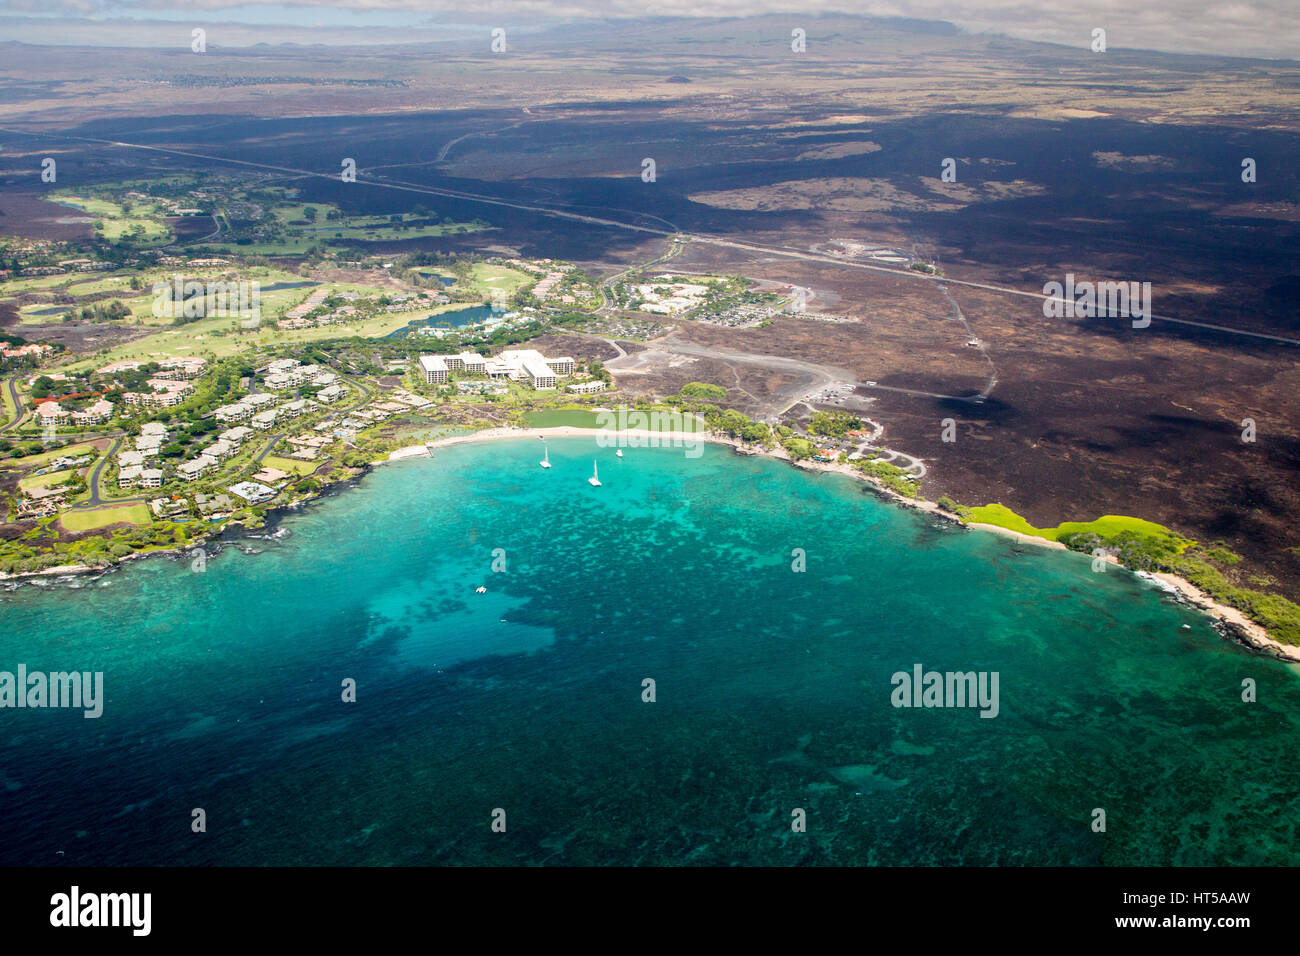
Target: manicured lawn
(35, 461)
(290, 465)
(485, 278)
(197, 338)
(290, 212)
(103, 517)
(91, 207)
(151, 230)
(115, 220)
(36, 283)
(1108, 526)
(7, 403)
(46, 480)
(302, 236)
(558, 417)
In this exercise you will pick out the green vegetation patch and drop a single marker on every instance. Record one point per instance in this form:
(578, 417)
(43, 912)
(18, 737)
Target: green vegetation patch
(7, 404)
(704, 390)
(1277, 615)
(292, 466)
(1145, 545)
(1107, 528)
(834, 424)
(1003, 517)
(136, 514)
(891, 476)
(799, 447)
(69, 451)
(48, 480)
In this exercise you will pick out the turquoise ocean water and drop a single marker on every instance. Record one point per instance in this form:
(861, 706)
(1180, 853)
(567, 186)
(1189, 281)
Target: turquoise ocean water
(772, 687)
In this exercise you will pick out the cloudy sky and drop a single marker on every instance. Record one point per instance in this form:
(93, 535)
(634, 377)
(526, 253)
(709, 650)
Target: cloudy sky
(1267, 28)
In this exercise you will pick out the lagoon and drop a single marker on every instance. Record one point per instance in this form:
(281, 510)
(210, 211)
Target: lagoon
(222, 688)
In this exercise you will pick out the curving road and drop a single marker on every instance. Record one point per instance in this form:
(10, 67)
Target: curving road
(261, 455)
(608, 302)
(11, 384)
(92, 479)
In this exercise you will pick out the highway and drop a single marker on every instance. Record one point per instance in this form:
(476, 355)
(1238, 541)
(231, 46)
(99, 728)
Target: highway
(755, 247)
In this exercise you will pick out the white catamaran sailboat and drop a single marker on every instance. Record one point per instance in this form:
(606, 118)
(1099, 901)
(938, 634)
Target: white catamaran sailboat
(594, 480)
(546, 461)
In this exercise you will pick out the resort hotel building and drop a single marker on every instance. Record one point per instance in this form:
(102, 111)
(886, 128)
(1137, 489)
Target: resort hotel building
(526, 365)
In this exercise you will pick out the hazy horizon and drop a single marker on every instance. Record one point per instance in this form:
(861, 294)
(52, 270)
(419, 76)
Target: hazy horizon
(1258, 29)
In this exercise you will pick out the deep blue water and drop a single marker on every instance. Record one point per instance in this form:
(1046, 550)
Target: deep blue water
(773, 686)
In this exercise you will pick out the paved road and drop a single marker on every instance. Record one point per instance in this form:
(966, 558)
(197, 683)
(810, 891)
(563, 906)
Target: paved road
(911, 274)
(818, 377)
(96, 500)
(275, 439)
(608, 302)
(216, 231)
(627, 226)
(365, 390)
(813, 377)
(446, 147)
(12, 385)
(92, 479)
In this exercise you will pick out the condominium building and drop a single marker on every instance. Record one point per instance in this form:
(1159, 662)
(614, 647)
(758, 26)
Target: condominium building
(51, 413)
(238, 412)
(95, 414)
(218, 450)
(165, 394)
(181, 368)
(434, 368)
(195, 468)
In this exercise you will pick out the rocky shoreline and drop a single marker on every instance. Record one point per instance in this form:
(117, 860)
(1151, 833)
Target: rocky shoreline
(1228, 621)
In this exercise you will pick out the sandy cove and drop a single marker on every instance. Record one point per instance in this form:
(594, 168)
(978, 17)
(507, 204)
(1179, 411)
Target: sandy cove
(1236, 624)
(1232, 621)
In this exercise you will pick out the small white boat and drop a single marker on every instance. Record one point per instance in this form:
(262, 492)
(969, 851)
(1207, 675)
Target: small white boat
(546, 460)
(594, 480)
(619, 453)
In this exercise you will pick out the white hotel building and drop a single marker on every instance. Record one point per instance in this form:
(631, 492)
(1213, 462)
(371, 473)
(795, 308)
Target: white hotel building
(540, 371)
(470, 362)
(434, 368)
(515, 364)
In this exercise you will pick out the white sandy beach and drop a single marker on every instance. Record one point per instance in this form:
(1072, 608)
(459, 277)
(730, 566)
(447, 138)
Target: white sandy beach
(1250, 632)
